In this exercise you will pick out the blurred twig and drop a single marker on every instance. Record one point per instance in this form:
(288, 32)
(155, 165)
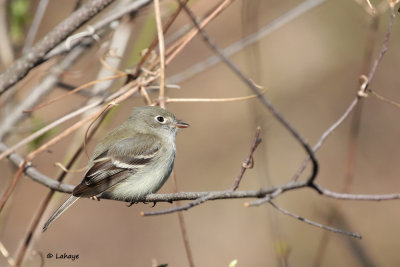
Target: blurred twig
(20, 68)
(155, 41)
(12, 185)
(182, 225)
(6, 48)
(35, 25)
(161, 47)
(282, 20)
(6, 255)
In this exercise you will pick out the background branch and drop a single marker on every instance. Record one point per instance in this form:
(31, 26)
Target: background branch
(20, 68)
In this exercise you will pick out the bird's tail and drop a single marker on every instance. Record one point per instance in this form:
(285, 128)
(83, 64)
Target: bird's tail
(71, 200)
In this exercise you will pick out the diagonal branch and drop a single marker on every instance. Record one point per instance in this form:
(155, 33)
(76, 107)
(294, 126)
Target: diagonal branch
(20, 68)
(335, 230)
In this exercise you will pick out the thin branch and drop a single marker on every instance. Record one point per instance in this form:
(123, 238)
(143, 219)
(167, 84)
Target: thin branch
(249, 162)
(335, 230)
(6, 47)
(198, 201)
(155, 41)
(361, 197)
(161, 47)
(210, 100)
(35, 25)
(182, 225)
(384, 45)
(325, 135)
(266, 199)
(384, 99)
(75, 90)
(20, 68)
(12, 185)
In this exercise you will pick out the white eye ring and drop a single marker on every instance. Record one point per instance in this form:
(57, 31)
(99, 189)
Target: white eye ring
(160, 119)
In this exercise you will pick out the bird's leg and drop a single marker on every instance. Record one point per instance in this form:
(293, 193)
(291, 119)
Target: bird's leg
(132, 203)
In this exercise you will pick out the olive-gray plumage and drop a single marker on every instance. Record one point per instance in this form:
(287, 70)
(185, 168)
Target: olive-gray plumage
(133, 160)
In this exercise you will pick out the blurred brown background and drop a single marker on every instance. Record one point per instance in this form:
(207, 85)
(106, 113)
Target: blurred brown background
(310, 68)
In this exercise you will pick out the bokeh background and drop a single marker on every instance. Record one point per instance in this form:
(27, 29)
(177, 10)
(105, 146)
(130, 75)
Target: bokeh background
(310, 68)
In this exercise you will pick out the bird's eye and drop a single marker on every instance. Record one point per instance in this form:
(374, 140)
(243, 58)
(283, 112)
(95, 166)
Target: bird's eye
(160, 119)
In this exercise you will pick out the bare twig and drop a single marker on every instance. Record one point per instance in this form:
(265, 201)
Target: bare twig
(161, 47)
(325, 135)
(155, 41)
(35, 25)
(384, 99)
(6, 48)
(266, 199)
(338, 231)
(182, 225)
(210, 100)
(75, 90)
(384, 45)
(12, 185)
(249, 162)
(365, 197)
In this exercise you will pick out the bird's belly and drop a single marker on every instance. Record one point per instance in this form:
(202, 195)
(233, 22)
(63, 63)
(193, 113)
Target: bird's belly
(146, 181)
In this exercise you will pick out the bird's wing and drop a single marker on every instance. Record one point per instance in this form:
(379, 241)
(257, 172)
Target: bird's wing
(120, 161)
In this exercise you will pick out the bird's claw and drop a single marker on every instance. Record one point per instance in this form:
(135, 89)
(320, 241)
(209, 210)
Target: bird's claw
(132, 203)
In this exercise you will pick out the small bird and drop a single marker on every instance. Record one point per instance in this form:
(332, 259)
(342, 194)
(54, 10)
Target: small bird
(133, 160)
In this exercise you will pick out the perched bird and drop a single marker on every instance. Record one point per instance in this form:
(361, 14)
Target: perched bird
(133, 160)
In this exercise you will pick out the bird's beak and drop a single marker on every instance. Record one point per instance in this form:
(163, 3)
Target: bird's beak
(180, 124)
